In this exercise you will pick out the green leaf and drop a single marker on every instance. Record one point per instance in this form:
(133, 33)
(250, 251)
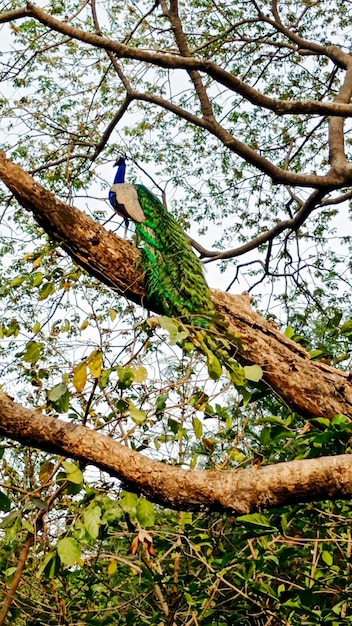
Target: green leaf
(145, 512)
(33, 352)
(28, 526)
(197, 427)
(10, 519)
(256, 519)
(49, 567)
(47, 290)
(57, 392)
(213, 365)
(253, 373)
(341, 419)
(327, 557)
(92, 520)
(346, 328)
(104, 378)
(128, 502)
(126, 376)
(5, 502)
(172, 327)
(69, 551)
(73, 473)
(137, 415)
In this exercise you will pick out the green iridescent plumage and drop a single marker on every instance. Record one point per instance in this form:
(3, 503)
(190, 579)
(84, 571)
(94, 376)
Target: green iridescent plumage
(174, 276)
(174, 280)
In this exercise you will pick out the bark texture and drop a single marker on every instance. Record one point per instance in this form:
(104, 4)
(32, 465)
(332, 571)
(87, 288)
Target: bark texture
(237, 491)
(312, 388)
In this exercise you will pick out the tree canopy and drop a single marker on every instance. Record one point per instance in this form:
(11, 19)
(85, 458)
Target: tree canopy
(136, 488)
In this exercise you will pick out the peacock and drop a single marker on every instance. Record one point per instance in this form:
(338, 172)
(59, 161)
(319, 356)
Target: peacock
(174, 280)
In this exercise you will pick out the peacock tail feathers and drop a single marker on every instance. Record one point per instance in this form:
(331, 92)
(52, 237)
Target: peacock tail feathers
(174, 275)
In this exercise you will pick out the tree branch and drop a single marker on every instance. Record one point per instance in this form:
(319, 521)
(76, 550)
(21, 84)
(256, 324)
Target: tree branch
(330, 180)
(239, 491)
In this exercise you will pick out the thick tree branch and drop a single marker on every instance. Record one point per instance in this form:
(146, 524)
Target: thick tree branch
(337, 154)
(239, 491)
(312, 388)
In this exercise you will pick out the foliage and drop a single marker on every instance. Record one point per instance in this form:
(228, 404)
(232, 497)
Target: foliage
(94, 553)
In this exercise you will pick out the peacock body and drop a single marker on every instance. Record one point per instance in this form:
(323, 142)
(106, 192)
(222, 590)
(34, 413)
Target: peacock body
(174, 279)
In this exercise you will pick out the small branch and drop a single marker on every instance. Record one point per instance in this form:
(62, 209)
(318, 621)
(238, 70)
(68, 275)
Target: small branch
(292, 225)
(17, 577)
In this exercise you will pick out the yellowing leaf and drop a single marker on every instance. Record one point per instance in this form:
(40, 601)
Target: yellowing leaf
(84, 325)
(36, 328)
(253, 372)
(197, 427)
(112, 567)
(112, 314)
(140, 374)
(16, 282)
(37, 279)
(46, 471)
(37, 262)
(80, 376)
(95, 363)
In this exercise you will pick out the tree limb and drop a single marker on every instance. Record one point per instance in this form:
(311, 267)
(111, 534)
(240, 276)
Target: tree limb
(238, 491)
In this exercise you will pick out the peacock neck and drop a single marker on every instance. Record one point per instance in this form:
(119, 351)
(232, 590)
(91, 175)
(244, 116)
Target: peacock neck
(120, 174)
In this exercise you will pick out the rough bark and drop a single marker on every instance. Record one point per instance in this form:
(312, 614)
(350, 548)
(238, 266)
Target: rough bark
(312, 388)
(238, 491)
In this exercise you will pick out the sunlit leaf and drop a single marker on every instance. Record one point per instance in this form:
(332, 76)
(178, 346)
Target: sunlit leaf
(69, 551)
(73, 473)
(80, 376)
(92, 520)
(253, 373)
(95, 363)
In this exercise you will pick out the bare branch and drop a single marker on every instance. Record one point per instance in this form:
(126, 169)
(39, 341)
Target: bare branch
(331, 180)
